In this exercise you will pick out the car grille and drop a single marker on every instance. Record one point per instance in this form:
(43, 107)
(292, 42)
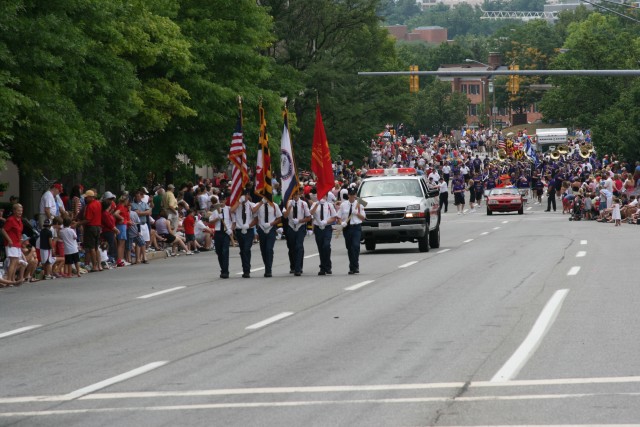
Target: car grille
(385, 214)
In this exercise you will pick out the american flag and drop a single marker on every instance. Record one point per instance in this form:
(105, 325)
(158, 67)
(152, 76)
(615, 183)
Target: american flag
(238, 159)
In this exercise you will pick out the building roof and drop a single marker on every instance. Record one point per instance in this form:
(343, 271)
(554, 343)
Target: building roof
(431, 27)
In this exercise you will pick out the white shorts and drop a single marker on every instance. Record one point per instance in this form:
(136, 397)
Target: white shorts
(144, 232)
(200, 238)
(13, 252)
(47, 257)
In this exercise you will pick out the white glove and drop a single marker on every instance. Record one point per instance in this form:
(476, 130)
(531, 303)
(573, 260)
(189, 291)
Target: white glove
(322, 201)
(264, 201)
(242, 199)
(344, 224)
(323, 223)
(245, 227)
(295, 221)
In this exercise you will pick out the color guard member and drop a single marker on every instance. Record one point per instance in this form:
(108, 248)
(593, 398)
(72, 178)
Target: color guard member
(243, 222)
(324, 215)
(297, 215)
(351, 215)
(269, 215)
(221, 220)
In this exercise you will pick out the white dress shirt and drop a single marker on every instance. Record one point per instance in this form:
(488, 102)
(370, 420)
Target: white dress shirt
(323, 213)
(355, 207)
(302, 212)
(224, 216)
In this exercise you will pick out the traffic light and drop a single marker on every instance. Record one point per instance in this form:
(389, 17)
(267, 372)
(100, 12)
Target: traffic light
(514, 81)
(414, 82)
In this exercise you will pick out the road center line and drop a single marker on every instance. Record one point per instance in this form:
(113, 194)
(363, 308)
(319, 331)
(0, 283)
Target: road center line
(496, 228)
(529, 208)
(573, 271)
(443, 251)
(311, 256)
(583, 242)
(119, 378)
(19, 331)
(540, 328)
(468, 240)
(155, 294)
(359, 285)
(270, 320)
(484, 233)
(408, 264)
(580, 254)
(505, 222)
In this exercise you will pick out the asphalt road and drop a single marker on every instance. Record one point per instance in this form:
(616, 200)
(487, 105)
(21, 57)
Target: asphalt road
(515, 320)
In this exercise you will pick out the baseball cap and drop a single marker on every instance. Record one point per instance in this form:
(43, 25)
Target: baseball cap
(89, 193)
(46, 223)
(170, 187)
(144, 190)
(352, 191)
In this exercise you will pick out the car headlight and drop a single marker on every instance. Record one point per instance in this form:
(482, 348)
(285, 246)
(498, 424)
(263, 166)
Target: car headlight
(413, 208)
(516, 201)
(493, 202)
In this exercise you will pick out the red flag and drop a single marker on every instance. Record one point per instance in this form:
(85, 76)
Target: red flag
(321, 158)
(238, 159)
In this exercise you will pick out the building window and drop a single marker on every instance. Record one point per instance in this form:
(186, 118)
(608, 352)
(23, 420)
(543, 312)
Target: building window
(474, 89)
(473, 109)
(534, 108)
(463, 88)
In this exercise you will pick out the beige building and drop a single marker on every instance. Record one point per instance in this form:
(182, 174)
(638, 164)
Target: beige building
(431, 34)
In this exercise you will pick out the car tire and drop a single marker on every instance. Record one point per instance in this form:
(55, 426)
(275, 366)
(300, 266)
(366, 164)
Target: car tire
(370, 245)
(423, 243)
(434, 238)
(521, 211)
(489, 212)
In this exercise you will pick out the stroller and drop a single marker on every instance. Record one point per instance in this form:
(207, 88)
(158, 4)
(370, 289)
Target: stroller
(577, 209)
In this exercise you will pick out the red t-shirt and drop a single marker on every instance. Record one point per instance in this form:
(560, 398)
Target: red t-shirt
(93, 213)
(189, 224)
(124, 213)
(108, 221)
(13, 228)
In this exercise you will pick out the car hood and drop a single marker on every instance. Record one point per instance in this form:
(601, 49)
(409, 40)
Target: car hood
(392, 201)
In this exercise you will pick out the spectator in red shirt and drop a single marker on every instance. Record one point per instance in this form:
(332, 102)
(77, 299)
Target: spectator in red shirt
(92, 227)
(188, 224)
(121, 215)
(109, 229)
(12, 233)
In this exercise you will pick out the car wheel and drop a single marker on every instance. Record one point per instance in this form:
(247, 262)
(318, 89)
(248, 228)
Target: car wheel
(423, 243)
(489, 212)
(434, 238)
(520, 211)
(370, 245)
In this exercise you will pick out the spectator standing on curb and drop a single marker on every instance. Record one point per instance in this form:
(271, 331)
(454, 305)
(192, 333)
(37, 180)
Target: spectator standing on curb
(92, 227)
(143, 210)
(48, 204)
(170, 205)
(12, 233)
(70, 240)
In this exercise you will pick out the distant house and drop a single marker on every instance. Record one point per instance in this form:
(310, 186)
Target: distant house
(432, 34)
(481, 99)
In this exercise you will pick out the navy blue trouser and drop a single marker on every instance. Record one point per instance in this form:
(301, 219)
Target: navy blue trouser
(323, 241)
(295, 244)
(245, 241)
(221, 241)
(352, 241)
(267, 241)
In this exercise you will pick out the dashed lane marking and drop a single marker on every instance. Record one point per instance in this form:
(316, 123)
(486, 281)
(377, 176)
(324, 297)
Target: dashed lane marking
(443, 251)
(166, 291)
(359, 285)
(468, 240)
(408, 264)
(580, 254)
(270, 320)
(583, 242)
(18, 331)
(573, 271)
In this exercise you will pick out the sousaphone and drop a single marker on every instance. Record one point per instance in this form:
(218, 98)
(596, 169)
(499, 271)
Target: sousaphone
(563, 149)
(555, 155)
(502, 154)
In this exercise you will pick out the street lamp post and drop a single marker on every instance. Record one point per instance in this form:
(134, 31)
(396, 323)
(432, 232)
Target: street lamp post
(491, 90)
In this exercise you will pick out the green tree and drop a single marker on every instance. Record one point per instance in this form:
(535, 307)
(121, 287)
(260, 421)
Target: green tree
(436, 109)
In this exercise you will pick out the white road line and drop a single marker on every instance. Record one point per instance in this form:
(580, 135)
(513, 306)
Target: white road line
(359, 285)
(580, 254)
(108, 382)
(484, 234)
(311, 256)
(299, 403)
(505, 222)
(573, 271)
(496, 228)
(583, 242)
(328, 389)
(18, 331)
(253, 270)
(161, 292)
(529, 208)
(408, 264)
(443, 251)
(533, 340)
(270, 320)
(468, 240)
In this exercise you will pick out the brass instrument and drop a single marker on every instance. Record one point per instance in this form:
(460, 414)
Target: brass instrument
(502, 154)
(555, 155)
(563, 149)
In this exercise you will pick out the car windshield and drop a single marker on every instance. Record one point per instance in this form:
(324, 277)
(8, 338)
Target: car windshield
(500, 191)
(392, 187)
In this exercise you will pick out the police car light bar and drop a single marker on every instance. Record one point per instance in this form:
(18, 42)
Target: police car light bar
(391, 172)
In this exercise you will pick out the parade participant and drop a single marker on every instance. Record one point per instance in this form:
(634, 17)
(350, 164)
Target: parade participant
(539, 186)
(551, 193)
(458, 195)
(244, 221)
(324, 214)
(472, 193)
(269, 215)
(297, 215)
(444, 195)
(478, 188)
(221, 221)
(446, 172)
(351, 215)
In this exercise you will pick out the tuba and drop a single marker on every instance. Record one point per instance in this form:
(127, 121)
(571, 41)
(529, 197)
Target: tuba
(502, 154)
(555, 155)
(563, 149)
